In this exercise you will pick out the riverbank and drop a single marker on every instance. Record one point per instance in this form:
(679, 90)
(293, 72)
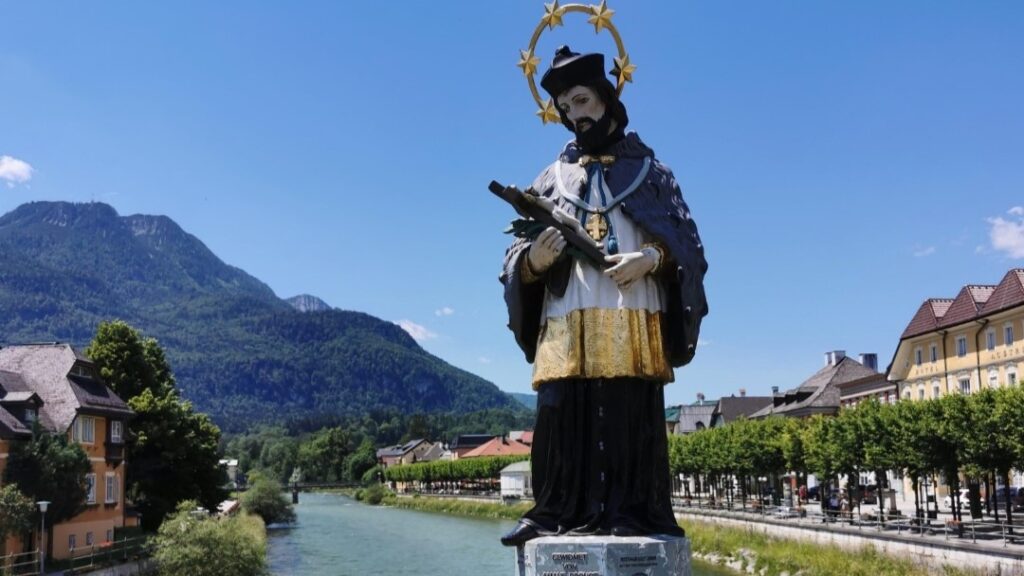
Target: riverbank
(741, 549)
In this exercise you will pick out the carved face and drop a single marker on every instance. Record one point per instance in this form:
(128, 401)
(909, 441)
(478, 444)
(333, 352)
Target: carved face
(582, 106)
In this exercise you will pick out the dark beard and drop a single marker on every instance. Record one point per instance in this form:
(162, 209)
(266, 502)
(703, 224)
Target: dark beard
(596, 137)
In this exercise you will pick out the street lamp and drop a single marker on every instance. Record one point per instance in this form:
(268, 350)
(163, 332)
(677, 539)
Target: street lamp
(43, 505)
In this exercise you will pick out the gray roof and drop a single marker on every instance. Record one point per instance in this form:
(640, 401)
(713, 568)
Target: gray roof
(435, 452)
(692, 415)
(399, 449)
(10, 426)
(820, 393)
(730, 408)
(45, 369)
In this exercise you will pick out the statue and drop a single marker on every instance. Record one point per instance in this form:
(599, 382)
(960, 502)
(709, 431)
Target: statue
(603, 336)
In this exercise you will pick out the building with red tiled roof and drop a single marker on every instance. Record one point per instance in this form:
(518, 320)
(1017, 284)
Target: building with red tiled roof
(963, 344)
(499, 446)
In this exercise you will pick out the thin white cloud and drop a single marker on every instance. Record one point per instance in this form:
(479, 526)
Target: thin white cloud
(446, 311)
(14, 171)
(922, 252)
(484, 360)
(1007, 235)
(418, 333)
(702, 343)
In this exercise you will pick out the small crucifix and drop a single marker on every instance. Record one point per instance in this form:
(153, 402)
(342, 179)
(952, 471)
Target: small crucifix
(596, 227)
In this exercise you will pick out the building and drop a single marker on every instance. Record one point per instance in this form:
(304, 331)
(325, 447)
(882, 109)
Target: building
(730, 408)
(688, 418)
(498, 446)
(822, 393)
(408, 453)
(963, 344)
(866, 384)
(60, 388)
(465, 442)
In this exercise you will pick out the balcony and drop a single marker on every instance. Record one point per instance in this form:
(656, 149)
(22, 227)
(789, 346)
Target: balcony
(115, 452)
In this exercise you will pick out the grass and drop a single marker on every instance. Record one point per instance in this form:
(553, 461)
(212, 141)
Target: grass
(460, 507)
(779, 555)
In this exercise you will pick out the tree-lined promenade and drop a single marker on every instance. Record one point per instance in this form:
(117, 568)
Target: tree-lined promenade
(448, 474)
(979, 436)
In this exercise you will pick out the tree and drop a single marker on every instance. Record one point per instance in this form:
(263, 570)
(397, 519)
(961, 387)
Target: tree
(322, 456)
(265, 499)
(190, 542)
(16, 513)
(50, 467)
(172, 451)
(360, 461)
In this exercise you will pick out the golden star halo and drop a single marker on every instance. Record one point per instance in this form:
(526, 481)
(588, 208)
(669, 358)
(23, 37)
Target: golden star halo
(548, 113)
(528, 62)
(598, 15)
(602, 16)
(623, 70)
(552, 15)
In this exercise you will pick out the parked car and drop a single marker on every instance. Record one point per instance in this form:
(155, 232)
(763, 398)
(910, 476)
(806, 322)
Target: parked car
(965, 496)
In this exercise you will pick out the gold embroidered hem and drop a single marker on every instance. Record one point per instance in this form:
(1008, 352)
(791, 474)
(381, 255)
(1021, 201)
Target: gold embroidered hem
(602, 343)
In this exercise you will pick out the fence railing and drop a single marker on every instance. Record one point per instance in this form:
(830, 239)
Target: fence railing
(107, 553)
(974, 529)
(24, 564)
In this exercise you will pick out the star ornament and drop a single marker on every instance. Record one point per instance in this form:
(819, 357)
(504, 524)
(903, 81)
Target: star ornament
(623, 70)
(601, 16)
(552, 15)
(528, 62)
(548, 113)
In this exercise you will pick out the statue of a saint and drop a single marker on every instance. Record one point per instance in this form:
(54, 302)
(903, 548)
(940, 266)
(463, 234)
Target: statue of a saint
(603, 340)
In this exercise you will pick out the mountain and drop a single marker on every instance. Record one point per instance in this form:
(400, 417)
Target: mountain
(307, 303)
(239, 352)
(527, 400)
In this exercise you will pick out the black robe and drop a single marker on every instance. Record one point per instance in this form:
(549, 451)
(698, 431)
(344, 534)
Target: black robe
(600, 455)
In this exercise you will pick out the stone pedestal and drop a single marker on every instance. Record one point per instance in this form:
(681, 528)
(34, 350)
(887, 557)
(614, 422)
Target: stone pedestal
(604, 556)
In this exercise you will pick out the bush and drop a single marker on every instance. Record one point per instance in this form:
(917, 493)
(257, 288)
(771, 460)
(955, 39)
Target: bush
(265, 499)
(374, 494)
(193, 543)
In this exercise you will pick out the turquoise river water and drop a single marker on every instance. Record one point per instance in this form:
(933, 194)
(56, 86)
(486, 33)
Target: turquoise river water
(337, 536)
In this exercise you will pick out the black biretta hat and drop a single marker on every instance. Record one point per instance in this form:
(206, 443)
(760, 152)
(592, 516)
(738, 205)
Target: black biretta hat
(570, 69)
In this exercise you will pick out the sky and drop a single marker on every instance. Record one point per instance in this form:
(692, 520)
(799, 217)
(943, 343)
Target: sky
(843, 161)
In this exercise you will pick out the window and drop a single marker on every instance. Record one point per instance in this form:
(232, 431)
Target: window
(935, 390)
(116, 429)
(31, 416)
(920, 393)
(112, 488)
(1008, 335)
(90, 488)
(1011, 375)
(84, 430)
(918, 357)
(965, 385)
(934, 353)
(72, 542)
(990, 340)
(961, 346)
(110, 535)
(88, 538)
(993, 378)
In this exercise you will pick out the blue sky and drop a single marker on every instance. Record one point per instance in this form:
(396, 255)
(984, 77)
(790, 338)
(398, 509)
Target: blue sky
(844, 161)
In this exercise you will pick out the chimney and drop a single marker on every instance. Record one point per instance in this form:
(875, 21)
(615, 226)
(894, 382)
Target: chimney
(700, 398)
(743, 392)
(834, 357)
(775, 390)
(870, 360)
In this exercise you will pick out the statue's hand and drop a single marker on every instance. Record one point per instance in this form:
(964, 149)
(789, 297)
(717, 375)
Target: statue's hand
(631, 266)
(543, 252)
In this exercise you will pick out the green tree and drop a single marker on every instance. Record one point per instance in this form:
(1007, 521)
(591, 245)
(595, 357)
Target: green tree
(190, 542)
(265, 498)
(16, 513)
(172, 451)
(360, 461)
(322, 455)
(52, 468)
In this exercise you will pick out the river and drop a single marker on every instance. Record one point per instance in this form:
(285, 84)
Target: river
(337, 536)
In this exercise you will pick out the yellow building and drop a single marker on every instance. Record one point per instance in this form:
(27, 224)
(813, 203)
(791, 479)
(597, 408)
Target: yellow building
(964, 344)
(60, 388)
